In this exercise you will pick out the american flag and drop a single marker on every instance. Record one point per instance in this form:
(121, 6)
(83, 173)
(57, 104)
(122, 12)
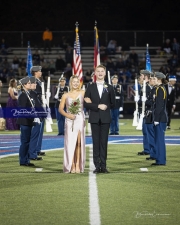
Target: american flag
(77, 64)
(29, 60)
(96, 49)
(148, 63)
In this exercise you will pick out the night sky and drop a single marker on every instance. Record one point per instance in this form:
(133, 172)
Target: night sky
(61, 15)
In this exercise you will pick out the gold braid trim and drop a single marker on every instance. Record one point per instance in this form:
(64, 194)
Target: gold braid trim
(163, 91)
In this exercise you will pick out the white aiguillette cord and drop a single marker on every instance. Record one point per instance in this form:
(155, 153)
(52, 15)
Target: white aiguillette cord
(27, 93)
(33, 106)
(57, 93)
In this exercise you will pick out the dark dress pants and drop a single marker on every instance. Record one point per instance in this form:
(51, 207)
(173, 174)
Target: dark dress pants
(60, 122)
(34, 140)
(100, 140)
(40, 137)
(145, 137)
(160, 143)
(24, 147)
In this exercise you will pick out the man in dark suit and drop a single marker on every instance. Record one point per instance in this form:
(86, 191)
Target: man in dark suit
(171, 96)
(99, 99)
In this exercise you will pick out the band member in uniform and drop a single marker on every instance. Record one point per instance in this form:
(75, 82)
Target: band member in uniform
(171, 96)
(118, 89)
(37, 121)
(160, 119)
(91, 81)
(25, 122)
(36, 72)
(146, 75)
(60, 90)
(140, 79)
(99, 99)
(149, 118)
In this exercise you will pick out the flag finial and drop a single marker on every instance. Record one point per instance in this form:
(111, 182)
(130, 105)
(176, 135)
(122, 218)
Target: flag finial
(147, 45)
(95, 23)
(77, 24)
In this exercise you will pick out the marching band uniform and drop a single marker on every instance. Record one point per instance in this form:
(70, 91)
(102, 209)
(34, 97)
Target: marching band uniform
(60, 118)
(160, 121)
(171, 96)
(37, 123)
(119, 99)
(146, 150)
(25, 123)
(149, 122)
(38, 90)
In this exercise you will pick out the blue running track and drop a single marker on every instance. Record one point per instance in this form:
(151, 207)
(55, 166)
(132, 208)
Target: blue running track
(9, 144)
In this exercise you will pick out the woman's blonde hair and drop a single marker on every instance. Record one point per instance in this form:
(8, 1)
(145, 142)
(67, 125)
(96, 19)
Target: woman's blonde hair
(70, 82)
(11, 82)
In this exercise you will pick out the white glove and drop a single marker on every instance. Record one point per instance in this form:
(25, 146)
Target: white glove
(173, 108)
(136, 98)
(56, 97)
(143, 99)
(44, 102)
(121, 109)
(37, 120)
(156, 123)
(48, 94)
(48, 110)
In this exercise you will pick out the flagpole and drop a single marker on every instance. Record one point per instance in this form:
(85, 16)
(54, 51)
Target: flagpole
(96, 49)
(77, 63)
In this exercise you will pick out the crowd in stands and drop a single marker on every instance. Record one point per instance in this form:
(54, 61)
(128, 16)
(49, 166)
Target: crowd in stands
(125, 65)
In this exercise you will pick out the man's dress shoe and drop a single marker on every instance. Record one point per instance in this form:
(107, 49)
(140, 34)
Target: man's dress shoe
(41, 153)
(27, 164)
(150, 158)
(38, 158)
(143, 153)
(97, 170)
(104, 170)
(156, 164)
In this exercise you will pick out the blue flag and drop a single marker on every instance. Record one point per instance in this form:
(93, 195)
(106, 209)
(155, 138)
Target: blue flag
(29, 60)
(148, 63)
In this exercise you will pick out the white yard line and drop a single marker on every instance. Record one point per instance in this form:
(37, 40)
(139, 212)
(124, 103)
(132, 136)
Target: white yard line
(94, 210)
(14, 146)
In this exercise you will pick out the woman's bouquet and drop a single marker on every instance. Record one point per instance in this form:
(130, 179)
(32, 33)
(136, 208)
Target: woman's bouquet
(74, 108)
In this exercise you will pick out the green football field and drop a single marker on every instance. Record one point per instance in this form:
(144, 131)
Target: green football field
(132, 193)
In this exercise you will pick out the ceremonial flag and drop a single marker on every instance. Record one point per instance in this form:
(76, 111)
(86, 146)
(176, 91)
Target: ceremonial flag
(96, 49)
(148, 63)
(77, 64)
(29, 60)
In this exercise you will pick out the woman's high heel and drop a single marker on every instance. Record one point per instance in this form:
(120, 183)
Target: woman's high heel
(73, 168)
(77, 168)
